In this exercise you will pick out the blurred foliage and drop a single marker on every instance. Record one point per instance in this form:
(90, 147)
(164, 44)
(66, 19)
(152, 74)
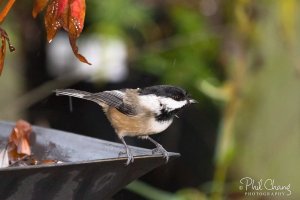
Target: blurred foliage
(267, 129)
(113, 18)
(186, 55)
(171, 41)
(152, 193)
(262, 114)
(243, 55)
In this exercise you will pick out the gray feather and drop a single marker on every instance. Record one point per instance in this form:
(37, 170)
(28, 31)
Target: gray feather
(112, 98)
(72, 93)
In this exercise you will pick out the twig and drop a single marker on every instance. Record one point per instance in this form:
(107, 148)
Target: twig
(6, 9)
(21, 159)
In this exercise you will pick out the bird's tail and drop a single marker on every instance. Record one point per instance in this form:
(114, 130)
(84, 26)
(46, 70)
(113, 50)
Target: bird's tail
(72, 93)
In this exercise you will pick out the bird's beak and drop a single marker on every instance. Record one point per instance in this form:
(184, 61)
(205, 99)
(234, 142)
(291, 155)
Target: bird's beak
(190, 101)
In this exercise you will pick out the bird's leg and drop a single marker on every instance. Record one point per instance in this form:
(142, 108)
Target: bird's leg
(159, 148)
(130, 158)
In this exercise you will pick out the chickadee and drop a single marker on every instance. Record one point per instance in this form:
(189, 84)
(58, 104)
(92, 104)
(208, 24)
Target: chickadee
(138, 112)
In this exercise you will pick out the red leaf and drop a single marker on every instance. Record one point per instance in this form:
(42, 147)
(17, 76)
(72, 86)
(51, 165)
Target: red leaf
(66, 14)
(76, 16)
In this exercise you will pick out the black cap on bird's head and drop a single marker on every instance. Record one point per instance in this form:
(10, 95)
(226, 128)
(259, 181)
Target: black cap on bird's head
(169, 91)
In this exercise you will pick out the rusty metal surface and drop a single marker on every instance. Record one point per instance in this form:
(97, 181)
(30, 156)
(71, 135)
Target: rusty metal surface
(91, 168)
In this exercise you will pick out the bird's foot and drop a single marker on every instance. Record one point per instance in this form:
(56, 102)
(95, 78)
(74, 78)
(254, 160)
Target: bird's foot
(130, 158)
(160, 149)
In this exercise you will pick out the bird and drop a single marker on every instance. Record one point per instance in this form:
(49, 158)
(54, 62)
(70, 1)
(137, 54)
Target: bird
(138, 112)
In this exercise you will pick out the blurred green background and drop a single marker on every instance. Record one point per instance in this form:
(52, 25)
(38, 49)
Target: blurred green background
(238, 58)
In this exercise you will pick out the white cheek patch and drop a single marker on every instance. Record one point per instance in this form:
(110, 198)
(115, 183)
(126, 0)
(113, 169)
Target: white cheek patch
(171, 104)
(156, 104)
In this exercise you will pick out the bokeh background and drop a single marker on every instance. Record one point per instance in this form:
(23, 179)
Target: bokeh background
(238, 58)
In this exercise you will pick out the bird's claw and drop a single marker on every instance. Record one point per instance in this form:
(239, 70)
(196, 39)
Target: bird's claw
(160, 149)
(130, 158)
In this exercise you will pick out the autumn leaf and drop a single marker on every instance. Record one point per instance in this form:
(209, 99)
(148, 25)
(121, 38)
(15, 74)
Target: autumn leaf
(17, 151)
(3, 34)
(4, 39)
(18, 142)
(66, 14)
(39, 6)
(2, 52)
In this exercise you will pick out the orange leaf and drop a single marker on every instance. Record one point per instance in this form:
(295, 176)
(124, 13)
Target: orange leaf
(18, 142)
(4, 39)
(39, 6)
(2, 53)
(76, 21)
(54, 17)
(75, 50)
(66, 14)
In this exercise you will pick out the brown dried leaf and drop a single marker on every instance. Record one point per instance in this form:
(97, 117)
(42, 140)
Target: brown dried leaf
(72, 40)
(49, 161)
(2, 53)
(4, 39)
(39, 6)
(18, 142)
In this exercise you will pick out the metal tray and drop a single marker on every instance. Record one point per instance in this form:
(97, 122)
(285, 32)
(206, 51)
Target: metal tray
(91, 168)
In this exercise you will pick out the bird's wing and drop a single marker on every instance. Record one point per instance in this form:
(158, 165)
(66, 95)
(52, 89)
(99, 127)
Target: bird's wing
(114, 98)
(111, 98)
